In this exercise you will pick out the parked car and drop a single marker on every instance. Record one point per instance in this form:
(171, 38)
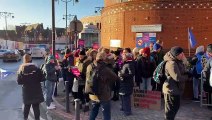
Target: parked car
(27, 51)
(12, 55)
(37, 52)
(2, 51)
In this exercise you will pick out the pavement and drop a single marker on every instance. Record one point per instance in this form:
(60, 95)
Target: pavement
(188, 111)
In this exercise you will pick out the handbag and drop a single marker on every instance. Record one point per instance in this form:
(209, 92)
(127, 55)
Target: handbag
(75, 85)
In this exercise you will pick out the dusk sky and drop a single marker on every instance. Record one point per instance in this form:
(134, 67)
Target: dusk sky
(39, 11)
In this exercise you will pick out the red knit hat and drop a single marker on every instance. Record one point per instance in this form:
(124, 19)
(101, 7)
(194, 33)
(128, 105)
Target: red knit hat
(146, 50)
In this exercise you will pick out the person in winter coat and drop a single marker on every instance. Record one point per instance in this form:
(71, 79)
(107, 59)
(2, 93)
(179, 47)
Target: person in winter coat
(173, 87)
(207, 74)
(126, 75)
(155, 54)
(103, 98)
(116, 68)
(146, 66)
(91, 57)
(67, 61)
(135, 52)
(161, 52)
(197, 69)
(83, 63)
(50, 69)
(89, 70)
(30, 76)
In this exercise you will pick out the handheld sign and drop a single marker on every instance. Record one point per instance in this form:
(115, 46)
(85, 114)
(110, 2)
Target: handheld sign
(75, 71)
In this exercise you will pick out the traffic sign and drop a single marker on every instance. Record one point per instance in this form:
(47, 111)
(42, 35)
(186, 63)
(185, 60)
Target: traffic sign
(76, 25)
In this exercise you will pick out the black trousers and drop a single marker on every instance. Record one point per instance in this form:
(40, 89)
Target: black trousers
(116, 87)
(35, 109)
(172, 105)
(209, 98)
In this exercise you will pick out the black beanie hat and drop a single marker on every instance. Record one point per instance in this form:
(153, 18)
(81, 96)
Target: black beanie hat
(175, 51)
(209, 48)
(67, 51)
(82, 52)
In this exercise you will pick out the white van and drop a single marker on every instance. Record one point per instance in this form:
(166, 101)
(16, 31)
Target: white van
(37, 52)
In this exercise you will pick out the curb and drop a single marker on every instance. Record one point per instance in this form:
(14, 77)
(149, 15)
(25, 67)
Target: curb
(59, 113)
(56, 114)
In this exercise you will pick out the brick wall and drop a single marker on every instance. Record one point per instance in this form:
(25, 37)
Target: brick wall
(175, 17)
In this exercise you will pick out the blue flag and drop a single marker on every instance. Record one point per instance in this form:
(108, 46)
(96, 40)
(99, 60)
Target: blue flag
(191, 38)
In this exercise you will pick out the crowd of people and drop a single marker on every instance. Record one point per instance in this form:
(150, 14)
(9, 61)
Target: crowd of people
(119, 72)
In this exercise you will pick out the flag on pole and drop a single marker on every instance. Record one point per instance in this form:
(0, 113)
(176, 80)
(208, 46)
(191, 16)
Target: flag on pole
(191, 39)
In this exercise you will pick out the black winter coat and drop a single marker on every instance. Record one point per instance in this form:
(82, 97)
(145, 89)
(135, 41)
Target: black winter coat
(145, 67)
(126, 75)
(30, 76)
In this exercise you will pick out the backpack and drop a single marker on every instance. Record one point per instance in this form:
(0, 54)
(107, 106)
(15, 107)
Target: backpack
(159, 73)
(96, 78)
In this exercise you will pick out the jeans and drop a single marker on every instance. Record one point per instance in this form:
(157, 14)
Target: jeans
(35, 109)
(105, 109)
(196, 82)
(126, 104)
(146, 84)
(172, 105)
(49, 91)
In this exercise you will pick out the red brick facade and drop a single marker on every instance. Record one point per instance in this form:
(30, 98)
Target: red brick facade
(174, 15)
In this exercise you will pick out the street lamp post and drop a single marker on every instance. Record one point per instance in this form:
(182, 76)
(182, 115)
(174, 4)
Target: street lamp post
(66, 15)
(6, 15)
(53, 27)
(66, 3)
(53, 21)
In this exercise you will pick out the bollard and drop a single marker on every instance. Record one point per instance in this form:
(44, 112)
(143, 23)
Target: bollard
(67, 96)
(77, 109)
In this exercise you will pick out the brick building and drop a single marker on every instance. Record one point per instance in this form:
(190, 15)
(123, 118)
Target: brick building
(169, 20)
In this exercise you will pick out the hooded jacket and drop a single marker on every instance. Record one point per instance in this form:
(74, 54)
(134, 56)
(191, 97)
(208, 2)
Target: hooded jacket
(30, 76)
(82, 66)
(176, 75)
(109, 78)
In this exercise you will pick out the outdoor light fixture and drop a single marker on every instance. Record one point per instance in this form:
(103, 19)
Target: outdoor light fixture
(98, 9)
